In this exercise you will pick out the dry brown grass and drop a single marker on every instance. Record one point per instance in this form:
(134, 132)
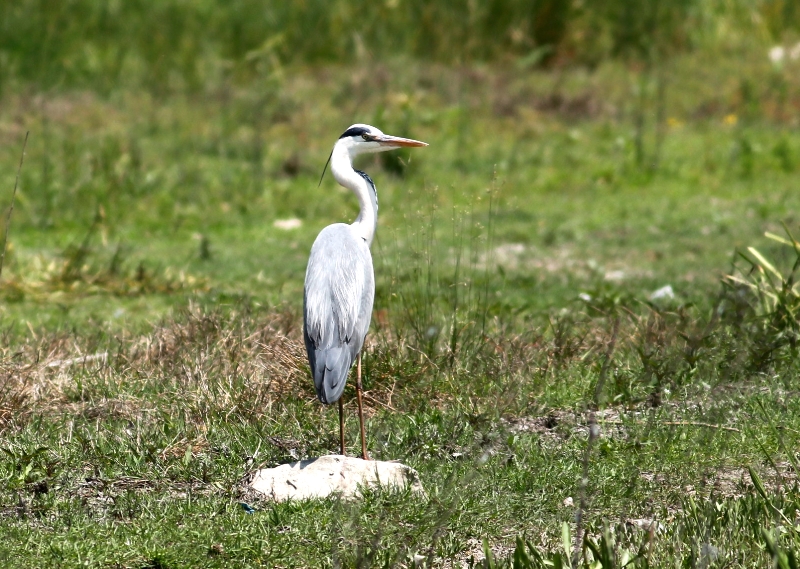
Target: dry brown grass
(240, 362)
(25, 378)
(236, 362)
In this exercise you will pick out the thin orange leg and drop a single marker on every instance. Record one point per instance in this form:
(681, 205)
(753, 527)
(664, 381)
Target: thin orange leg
(341, 428)
(364, 454)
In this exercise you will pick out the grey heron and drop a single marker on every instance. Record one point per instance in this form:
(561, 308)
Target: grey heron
(340, 283)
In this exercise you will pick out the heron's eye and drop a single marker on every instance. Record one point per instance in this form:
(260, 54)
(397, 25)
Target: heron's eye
(365, 136)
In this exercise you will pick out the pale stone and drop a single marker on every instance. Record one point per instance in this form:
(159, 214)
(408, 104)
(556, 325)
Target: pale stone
(665, 292)
(332, 474)
(776, 54)
(287, 224)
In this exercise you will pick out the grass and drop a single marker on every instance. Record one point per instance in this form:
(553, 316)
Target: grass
(515, 260)
(180, 46)
(137, 458)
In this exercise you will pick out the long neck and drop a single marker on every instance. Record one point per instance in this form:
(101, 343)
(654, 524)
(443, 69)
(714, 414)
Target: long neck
(343, 172)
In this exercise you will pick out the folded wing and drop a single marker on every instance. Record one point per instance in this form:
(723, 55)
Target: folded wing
(337, 305)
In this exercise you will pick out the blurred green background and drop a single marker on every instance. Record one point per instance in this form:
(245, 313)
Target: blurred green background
(570, 141)
(196, 45)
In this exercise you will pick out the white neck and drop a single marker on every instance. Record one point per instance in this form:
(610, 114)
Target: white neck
(343, 172)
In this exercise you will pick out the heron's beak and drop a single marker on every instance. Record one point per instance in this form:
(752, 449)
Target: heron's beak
(397, 142)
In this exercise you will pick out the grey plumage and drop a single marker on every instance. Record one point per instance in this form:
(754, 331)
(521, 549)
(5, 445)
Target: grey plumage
(337, 306)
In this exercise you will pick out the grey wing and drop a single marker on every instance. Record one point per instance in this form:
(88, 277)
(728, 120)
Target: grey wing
(337, 305)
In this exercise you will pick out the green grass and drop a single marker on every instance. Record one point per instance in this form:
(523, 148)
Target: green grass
(144, 231)
(140, 459)
(180, 46)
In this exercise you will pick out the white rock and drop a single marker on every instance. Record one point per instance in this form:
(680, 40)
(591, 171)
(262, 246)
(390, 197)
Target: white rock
(326, 475)
(287, 224)
(646, 524)
(665, 292)
(776, 54)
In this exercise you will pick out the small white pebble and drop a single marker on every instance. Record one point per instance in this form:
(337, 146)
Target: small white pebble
(665, 292)
(776, 54)
(287, 224)
(568, 503)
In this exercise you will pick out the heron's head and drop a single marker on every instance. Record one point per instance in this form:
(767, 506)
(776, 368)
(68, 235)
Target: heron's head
(366, 139)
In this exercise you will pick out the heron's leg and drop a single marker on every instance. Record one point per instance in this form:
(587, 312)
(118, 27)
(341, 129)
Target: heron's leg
(341, 428)
(364, 454)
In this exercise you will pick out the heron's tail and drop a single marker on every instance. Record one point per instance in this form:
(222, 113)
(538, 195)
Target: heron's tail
(330, 367)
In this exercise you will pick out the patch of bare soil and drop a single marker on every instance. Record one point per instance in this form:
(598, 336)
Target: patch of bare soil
(726, 481)
(474, 554)
(104, 497)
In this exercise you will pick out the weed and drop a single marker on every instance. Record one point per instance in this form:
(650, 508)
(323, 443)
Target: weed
(11, 207)
(773, 300)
